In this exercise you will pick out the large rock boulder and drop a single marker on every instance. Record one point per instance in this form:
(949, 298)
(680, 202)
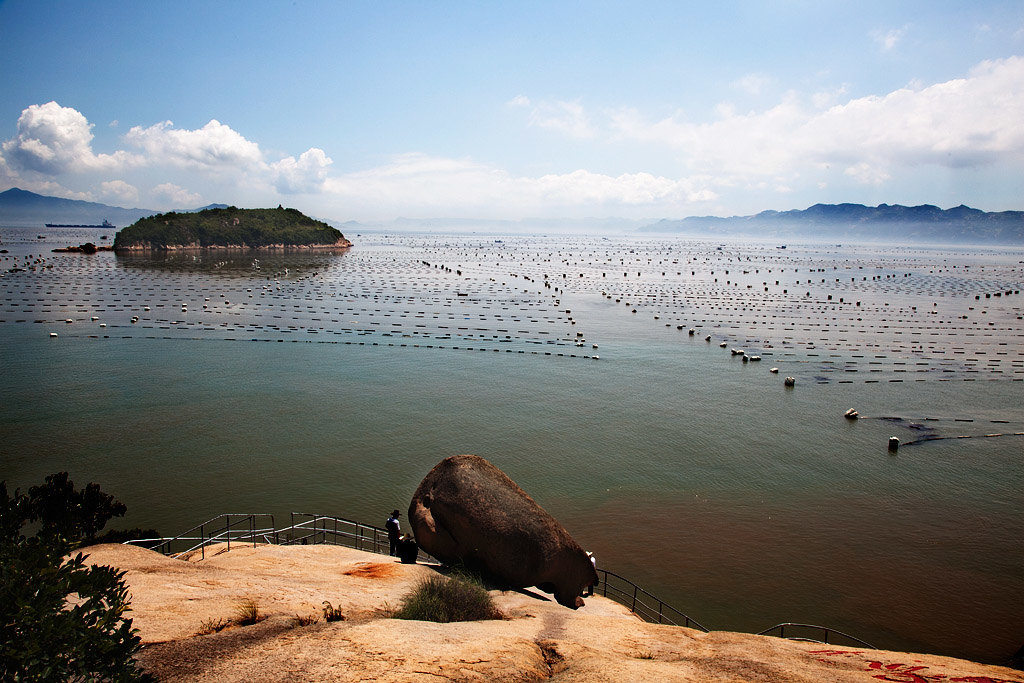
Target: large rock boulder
(468, 511)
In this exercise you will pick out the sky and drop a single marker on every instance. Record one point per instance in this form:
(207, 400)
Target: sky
(371, 111)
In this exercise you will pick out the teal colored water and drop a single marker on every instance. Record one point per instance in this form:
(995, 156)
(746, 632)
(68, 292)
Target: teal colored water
(334, 388)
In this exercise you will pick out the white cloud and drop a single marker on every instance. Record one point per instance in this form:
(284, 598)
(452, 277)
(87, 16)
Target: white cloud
(52, 189)
(303, 175)
(732, 146)
(52, 140)
(827, 98)
(972, 121)
(800, 144)
(215, 146)
(421, 183)
(753, 84)
(179, 196)
(868, 174)
(887, 40)
(568, 117)
(120, 191)
(585, 188)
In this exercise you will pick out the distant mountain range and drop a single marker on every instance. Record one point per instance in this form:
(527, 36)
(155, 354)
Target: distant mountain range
(21, 208)
(885, 222)
(841, 222)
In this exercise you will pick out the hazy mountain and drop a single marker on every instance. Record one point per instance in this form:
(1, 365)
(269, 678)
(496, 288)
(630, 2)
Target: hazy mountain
(839, 222)
(28, 209)
(885, 222)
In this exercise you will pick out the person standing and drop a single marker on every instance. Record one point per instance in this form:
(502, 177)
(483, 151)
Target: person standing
(394, 532)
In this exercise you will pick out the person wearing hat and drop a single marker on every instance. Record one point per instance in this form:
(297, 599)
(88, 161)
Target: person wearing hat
(394, 531)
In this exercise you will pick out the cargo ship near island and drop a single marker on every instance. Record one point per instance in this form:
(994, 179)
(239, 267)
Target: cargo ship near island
(105, 224)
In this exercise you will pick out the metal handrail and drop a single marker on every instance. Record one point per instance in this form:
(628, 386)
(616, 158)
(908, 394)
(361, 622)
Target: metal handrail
(642, 603)
(221, 532)
(825, 632)
(333, 530)
(316, 529)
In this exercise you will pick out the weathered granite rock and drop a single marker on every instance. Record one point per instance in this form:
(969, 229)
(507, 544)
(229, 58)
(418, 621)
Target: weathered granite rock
(468, 511)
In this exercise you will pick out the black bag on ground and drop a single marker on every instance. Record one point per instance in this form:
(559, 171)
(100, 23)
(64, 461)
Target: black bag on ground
(407, 551)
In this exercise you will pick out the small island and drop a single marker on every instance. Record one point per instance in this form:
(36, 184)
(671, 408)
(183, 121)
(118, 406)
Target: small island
(229, 228)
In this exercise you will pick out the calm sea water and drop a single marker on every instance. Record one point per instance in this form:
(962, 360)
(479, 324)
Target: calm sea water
(335, 385)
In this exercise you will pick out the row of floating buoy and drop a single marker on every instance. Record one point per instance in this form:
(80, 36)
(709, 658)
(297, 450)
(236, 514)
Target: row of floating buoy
(894, 442)
(382, 274)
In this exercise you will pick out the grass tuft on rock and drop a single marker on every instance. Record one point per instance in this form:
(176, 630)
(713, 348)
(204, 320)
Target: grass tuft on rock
(442, 599)
(247, 612)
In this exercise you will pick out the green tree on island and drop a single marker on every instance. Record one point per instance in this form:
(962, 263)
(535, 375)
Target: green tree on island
(228, 227)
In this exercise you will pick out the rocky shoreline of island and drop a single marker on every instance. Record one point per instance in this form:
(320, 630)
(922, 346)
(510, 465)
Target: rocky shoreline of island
(196, 246)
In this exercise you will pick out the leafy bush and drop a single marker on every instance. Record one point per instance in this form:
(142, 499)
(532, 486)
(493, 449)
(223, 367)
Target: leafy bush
(444, 600)
(59, 618)
(66, 514)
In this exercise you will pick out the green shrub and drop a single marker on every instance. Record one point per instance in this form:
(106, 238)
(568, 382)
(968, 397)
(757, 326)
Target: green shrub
(444, 600)
(60, 619)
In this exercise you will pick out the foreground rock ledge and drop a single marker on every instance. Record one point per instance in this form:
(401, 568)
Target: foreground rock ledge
(539, 640)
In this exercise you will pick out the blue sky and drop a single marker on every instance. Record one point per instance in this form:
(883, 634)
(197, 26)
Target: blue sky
(372, 111)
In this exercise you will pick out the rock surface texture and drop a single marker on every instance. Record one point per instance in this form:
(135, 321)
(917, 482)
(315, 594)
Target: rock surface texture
(468, 511)
(536, 641)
